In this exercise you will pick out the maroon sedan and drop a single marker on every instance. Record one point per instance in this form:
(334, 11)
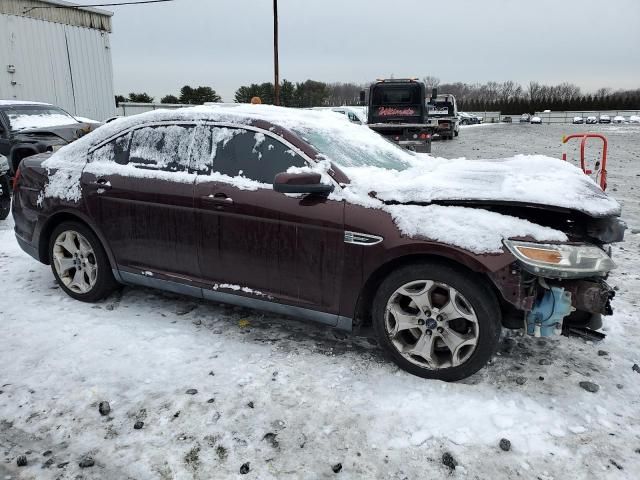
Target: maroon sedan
(260, 206)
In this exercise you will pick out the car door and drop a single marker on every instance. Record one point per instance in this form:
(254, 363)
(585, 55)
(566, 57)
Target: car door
(253, 238)
(140, 193)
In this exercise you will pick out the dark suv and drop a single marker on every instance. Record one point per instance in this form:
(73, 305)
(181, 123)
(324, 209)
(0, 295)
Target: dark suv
(28, 128)
(278, 209)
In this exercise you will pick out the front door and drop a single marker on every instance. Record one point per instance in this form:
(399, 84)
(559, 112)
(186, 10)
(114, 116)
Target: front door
(253, 238)
(140, 193)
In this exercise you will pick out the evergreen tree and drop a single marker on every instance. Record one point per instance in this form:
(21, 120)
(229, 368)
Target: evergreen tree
(140, 97)
(170, 99)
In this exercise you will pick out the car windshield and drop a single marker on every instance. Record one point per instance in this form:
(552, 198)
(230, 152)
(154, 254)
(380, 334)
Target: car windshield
(356, 146)
(36, 116)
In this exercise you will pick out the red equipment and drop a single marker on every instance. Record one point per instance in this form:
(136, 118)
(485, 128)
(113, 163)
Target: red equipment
(601, 166)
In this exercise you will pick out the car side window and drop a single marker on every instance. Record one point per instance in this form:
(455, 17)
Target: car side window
(116, 150)
(236, 152)
(162, 147)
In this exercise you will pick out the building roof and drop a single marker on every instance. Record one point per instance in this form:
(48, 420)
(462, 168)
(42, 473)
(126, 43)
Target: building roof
(59, 11)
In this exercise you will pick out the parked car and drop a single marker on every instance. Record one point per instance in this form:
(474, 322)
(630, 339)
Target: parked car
(578, 120)
(507, 120)
(468, 119)
(591, 120)
(5, 188)
(618, 119)
(27, 128)
(354, 114)
(634, 119)
(536, 120)
(525, 118)
(604, 119)
(272, 208)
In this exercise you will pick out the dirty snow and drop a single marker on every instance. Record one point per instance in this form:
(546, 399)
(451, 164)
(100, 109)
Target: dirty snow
(294, 399)
(237, 288)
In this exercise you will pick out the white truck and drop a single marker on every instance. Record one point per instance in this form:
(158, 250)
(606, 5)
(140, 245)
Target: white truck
(442, 115)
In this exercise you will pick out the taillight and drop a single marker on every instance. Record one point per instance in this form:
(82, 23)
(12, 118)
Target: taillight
(425, 136)
(15, 179)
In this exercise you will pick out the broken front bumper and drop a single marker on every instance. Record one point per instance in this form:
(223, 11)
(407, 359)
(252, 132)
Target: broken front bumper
(544, 306)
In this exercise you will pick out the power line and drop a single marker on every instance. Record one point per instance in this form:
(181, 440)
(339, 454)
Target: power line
(137, 2)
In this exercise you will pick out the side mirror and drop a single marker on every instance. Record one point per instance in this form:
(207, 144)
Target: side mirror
(306, 182)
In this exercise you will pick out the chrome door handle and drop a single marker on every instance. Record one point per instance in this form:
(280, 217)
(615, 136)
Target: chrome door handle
(218, 199)
(101, 183)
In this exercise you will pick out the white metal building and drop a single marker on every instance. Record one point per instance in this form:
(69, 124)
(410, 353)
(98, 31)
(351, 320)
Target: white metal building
(56, 54)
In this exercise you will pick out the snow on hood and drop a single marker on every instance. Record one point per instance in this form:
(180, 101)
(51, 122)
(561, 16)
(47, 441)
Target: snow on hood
(528, 179)
(23, 122)
(476, 230)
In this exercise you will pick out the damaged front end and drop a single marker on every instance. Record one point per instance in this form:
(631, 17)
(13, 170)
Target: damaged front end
(552, 289)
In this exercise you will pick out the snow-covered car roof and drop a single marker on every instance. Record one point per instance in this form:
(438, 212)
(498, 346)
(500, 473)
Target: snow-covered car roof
(21, 102)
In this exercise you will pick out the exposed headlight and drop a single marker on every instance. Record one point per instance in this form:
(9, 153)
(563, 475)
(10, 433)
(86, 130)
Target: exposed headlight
(561, 261)
(55, 148)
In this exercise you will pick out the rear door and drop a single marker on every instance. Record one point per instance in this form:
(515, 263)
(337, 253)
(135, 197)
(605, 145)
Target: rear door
(256, 239)
(140, 192)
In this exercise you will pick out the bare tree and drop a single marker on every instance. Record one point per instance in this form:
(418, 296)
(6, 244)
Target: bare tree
(603, 92)
(431, 82)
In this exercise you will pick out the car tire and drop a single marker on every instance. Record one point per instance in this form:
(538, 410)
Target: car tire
(5, 197)
(456, 133)
(79, 262)
(474, 338)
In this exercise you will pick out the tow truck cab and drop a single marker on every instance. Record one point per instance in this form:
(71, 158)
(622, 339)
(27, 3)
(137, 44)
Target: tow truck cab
(397, 110)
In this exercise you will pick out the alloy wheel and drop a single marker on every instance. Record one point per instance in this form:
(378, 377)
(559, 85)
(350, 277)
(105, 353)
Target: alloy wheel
(75, 262)
(431, 324)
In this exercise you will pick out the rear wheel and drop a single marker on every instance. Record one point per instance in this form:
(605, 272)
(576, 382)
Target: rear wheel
(5, 197)
(435, 321)
(79, 262)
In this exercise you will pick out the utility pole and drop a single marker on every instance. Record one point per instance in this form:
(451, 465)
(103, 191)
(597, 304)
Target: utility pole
(276, 83)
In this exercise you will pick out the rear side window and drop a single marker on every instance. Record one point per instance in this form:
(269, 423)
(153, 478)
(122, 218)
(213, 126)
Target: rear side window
(236, 152)
(163, 147)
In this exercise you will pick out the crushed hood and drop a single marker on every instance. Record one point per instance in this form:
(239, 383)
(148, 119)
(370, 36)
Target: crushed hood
(524, 180)
(68, 133)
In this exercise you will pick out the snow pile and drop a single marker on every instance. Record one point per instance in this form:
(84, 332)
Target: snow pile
(478, 231)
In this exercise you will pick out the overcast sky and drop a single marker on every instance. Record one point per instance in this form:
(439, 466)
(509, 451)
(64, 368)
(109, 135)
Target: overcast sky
(228, 43)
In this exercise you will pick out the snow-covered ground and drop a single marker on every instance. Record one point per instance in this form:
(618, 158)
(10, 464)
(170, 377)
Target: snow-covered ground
(293, 399)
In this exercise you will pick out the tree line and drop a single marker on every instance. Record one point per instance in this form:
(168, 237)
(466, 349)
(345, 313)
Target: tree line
(508, 97)
(511, 98)
(188, 96)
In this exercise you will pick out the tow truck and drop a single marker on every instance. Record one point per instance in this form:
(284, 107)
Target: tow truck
(398, 111)
(442, 115)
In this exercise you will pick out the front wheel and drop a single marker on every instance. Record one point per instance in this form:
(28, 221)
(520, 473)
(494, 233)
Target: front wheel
(79, 262)
(436, 321)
